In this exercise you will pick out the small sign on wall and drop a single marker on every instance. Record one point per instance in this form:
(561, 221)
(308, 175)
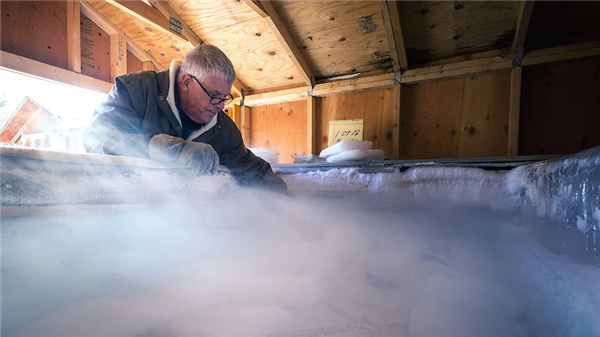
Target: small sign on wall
(346, 129)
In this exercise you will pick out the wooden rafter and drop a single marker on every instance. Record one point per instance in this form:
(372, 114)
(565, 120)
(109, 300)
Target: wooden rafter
(522, 24)
(99, 19)
(74, 35)
(171, 15)
(266, 10)
(149, 15)
(46, 71)
(393, 32)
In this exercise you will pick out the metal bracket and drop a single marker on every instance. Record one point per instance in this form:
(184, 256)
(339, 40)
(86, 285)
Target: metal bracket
(518, 60)
(375, 166)
(398, 77)
(243, 97)
(312, 85)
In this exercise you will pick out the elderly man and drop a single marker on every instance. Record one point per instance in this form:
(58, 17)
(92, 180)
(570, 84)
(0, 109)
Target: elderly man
(176, 115)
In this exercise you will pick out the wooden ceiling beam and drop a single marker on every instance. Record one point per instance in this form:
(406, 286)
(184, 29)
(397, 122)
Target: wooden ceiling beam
(355, 85)
(93, 14)
(279, 96)
(562, 53)
(435, 73)
(194, 39)
(171, 16)
(522, 24)
(393, 32)
(266, 10)
(52, 73)
(149, 15)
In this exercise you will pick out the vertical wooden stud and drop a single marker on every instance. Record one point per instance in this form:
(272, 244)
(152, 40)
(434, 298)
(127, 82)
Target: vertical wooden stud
(245, 122)
(514, 112)
(148, 66)
(118, 56)
(74, 35)
(396, 124)
(311, 124)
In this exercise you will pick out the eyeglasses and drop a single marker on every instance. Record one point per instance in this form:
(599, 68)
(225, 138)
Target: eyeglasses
(213, 99)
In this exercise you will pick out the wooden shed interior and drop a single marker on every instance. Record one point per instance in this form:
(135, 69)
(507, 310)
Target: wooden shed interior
(430, 79)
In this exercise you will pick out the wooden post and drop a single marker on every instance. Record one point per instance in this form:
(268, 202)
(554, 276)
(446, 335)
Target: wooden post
(148, 66)
(245, 122)
(118, 56)
(74, 35)
(236, 115)
(311, 125)
(397, 92)
(514, 112)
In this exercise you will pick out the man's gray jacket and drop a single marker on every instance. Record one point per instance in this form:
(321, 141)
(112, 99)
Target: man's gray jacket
(142, 105)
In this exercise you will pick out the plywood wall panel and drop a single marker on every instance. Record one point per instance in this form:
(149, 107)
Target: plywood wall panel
(133, 63)
(441, 29)
(95, 50)
(281, 128)
(337, 37)
(465, 117)
(36, 30)
(560, 107)
(375, 107)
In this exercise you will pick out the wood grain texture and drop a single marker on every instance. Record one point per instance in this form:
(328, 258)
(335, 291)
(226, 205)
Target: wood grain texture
(329, 35)
(36, 68)
(161, 46)
(95, 50)
(375, 107)
(74, 35)
(118, 56)
(205, 17)
(258, 57)
(466, 117)
(441, 29)
(134, 64)
(281, 128)
(514, 112)
(36, 30)
(169, 13)
(148, 15)
(311, 125)
(560, 107)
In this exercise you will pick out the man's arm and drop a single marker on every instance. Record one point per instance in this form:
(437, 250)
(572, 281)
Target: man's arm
(248, 169)
(116, 128)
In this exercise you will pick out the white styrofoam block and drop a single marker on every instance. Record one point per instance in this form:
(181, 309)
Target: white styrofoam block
(346, 145)
(355, 155)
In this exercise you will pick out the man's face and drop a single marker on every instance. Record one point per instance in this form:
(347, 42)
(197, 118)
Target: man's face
(196, 103)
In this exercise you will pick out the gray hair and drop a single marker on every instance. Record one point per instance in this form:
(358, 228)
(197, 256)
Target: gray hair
(206, 60)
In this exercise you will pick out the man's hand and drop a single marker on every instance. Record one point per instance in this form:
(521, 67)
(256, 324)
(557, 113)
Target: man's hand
(199, 157)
